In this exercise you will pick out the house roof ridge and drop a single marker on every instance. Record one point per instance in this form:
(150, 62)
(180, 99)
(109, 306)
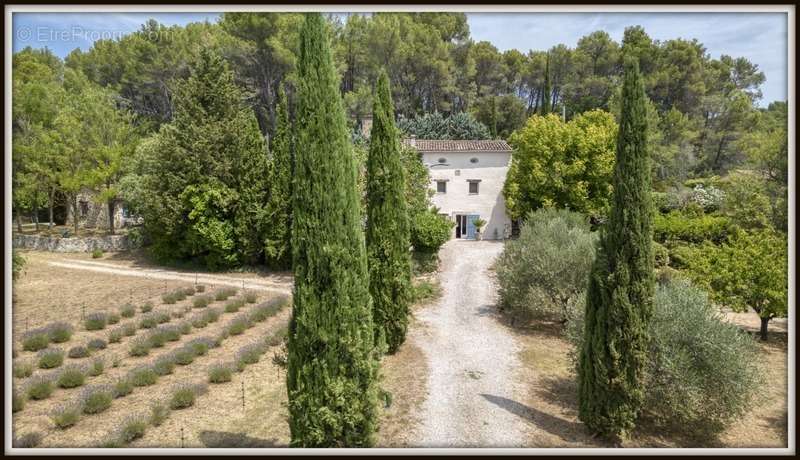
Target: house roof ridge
(450, 145)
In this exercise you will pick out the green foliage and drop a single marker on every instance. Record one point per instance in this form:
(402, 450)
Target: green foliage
(78, 351)
(435, 126)
(95, 321)
(423, 291)
(619, 298)
(39, 387)
(747, 202)
(224, 293)
(164, 365)
(17, 264)
(17, 401)
(277, 245)
(97, 253)
(96, 368)
(505, 114)
(71, 377)
(566, 165)
(132, 428)
(142, 376)
(158, 413)
(23, 369)
(220, 373)
(122, 387)
(250, 297)
(50, 358)
(96, 344)
(66, 415)
(544, 271)
(140, 347)
(96, 399)
(429, 232)
(331, 338)
(35, 340)
(660, 255)
(677, 226)
(388, 227)
(146, 307)
(202, 301)
(60, 332)
(184, 396)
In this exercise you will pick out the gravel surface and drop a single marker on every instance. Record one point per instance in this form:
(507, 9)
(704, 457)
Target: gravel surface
(472, 395)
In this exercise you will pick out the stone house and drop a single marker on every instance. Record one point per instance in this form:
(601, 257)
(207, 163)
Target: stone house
(92, 214)
(467, 178)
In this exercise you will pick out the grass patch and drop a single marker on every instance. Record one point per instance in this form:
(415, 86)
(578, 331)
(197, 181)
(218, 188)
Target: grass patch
(51, 358)
(146, 307)
(424, 291)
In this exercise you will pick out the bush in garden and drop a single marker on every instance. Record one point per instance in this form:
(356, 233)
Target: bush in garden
(748, 203)
(429, 232)
(200, 288)
(660, 255)
(17, 400)
(169, 298)
(161, 317)
(132, 428)
(122, 387)
(146, 307)
(140, 347)
(249, 354)
(96, 399)
(220, 373)
(185, 395)
(232, 306)
(78, 351)
(28, 440)
(250, 297)
(50, 358)
(97, 367)
(183, 356)
(59, 332)
(224, 293)
(115, 335)
(23, 369)
(212, 314)
(164, 365)
(541, 273)
(202, 301)
(156, 339)
(39, 387)
(96, 344)
(127, 311)
(158, 413)
(707, 197)
(35, 340)
(200, 345)
(679, 226)
(184, 327)
(189, 291)
(71, 376)
(95, 321)
(113, 317)
(148, 321)
(129, 329)
(97, 253)
(66, 415)
(238, 325)
(143, 376)
(269, 308)
(171, 332)
(199, 321)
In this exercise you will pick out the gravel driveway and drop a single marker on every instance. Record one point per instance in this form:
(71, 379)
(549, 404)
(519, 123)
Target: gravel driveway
(472, 359)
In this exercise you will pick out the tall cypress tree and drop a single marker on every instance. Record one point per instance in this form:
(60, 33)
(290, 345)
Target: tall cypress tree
(546, 90)
(620, 293)
(277, 247)
(387, 225)
(332, 364)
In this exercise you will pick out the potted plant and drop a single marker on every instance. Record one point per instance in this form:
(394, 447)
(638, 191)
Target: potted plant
(478, 223)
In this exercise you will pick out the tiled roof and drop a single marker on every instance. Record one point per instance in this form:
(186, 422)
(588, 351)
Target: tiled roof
(429, 145)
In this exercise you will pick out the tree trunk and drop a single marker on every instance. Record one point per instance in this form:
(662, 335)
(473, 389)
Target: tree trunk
(75, 216)
(50, 200)
(111, 216)
(19, 221)
(764, 324)
(36, 217)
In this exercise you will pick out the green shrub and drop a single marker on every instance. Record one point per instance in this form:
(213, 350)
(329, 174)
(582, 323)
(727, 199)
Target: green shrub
(35, 340)
(97, 253)
(660, 255)
(50, 358)
(232, 306)
(127, 311)
(96, 344)
(148, 321)
(164, 365)
(429, 232)
(268, 309)
(129, 329)
(23, 369)
(169, 298)
(140, 347)
(702, 372)
(184, 396)
(678, 226)
(181, 294)
(115, 335)
(28, 440)
(71, 377)
(224, 293)
(184, 327)
(66, 415)
(143, 376)
(39, 387)
(96, 399)
(132, 428)
(249, 354)
(113, 317)
(97, 367)
(158, 413)
(171, 332)
(544, 271)
(59, 332)
(424, 290)
(161, 317)
(212, 314)
(220, 373)
(200, 288)
(202, 301)
(238, 325)
(250, 297)
(156, 339)
(277, 337)
(17, 400)
(200, 345)
(183, 356)
(122, 387)
(95, 321)
(146, 307)
(424, 262)
(78, 351)
(199, 321)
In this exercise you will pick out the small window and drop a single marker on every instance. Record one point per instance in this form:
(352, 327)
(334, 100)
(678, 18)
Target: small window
(442, 160)
(473, 187)
(473, 160)
(458, 172)
(441, 186)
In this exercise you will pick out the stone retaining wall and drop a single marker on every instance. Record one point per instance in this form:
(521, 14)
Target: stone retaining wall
(57, 244)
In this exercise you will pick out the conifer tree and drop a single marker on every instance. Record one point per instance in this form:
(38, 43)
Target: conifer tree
(388, 227)
(546, 90)
(620, 293)
(332, 364)
(277, 247)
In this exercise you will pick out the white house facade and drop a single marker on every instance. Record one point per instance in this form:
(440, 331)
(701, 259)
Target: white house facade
(467, 179)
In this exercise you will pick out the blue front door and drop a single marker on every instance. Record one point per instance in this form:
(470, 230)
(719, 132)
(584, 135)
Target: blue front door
(471, 226)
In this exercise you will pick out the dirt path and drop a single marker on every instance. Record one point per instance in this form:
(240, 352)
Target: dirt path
(472, 359)
(161, 274)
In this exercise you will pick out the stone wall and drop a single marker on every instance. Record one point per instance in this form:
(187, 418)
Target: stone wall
(85, 244)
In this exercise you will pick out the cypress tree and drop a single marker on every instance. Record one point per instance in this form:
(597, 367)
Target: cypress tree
(388, 226)
(619, 299)
(332, 364)
(546, 90)
(277, 247)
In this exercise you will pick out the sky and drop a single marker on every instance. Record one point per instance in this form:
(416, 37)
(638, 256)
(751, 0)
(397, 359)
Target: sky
(760, 37)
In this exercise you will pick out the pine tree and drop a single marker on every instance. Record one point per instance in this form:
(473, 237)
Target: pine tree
(620, 293)
(546, 90)
(277, 247)
(332, 364)
(387, 225)
(493, 117)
